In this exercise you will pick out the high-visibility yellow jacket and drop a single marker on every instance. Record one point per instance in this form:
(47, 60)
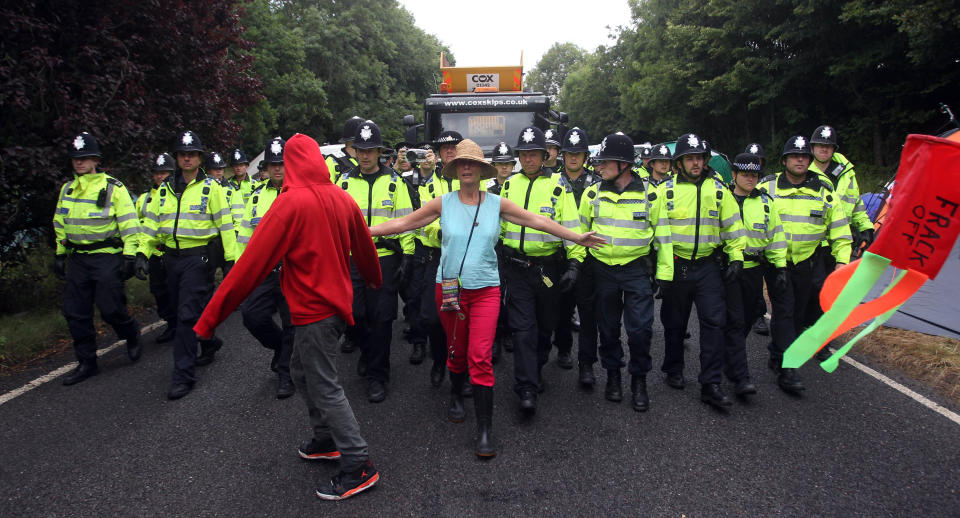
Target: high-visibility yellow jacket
(336, 169)
(191, 219)
(141, 207)
(810, 214)
(703, 216)
(235, 199)
(260, 202)
(381, 196)
(548, 195)
(843, 178)
(435, 186)
(630, 221)
(245, 187)
(94, 208)
(765, 236)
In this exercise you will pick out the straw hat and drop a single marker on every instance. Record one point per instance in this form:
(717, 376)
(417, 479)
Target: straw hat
(469, 150)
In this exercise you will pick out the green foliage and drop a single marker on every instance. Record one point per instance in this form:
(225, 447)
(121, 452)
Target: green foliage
(553, 68)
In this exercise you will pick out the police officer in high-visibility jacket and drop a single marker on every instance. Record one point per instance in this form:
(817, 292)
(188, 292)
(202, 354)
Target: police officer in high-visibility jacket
(434, 185)
(97, 230)
(765, 253)
(629, 212)
(810, 213)
(339, 165)
(163, 165)
(553, 162)
(189, 220)
(659, 164)
(241, 181)
(267, 299)
(382, 196)
(535, 269)
(706, 231)
(575, 153)
(504, 162)
(216, 167)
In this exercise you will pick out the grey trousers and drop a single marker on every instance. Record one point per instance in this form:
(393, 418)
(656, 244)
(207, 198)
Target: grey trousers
(313, 367)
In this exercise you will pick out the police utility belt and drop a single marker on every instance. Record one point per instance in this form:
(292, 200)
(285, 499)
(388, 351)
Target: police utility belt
(113, 242)
(390, 244)
(691, 264)
(205, 250)
(512, 256)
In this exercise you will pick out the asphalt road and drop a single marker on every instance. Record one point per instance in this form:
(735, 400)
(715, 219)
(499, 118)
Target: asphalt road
(114, 446)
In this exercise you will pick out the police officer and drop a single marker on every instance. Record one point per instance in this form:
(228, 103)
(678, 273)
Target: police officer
(575, 154)
(535, 269)
(216, 167)
(382, 196)
(628, 212)
(646, 155)
(434, 185)
(552, 164)
(163, 165)
(189, 220)
(706, 231)
(267, 298)
(410, 291)
(811, 213)
(504, 162)
(96, 228)
(765, 249)
(240, 181)
(339, 165)
(658, 165)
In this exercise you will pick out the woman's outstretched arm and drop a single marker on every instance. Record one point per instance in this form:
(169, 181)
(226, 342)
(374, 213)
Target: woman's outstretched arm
(418, 218)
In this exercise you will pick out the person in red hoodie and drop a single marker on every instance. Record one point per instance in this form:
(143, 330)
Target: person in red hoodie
(315, 228)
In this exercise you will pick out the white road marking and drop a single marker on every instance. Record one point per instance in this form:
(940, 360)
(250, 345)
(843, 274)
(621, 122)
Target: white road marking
(906, 391)
(69, 367)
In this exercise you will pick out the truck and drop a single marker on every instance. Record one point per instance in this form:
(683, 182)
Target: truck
(484, 104)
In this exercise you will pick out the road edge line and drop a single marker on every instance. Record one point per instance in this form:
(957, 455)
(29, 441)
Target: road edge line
(52, 375)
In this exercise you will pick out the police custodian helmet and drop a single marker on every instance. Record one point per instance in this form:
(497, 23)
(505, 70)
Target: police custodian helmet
(84, 145)
(273, 153)
(367, 136)
(188, 141)
(575, 141)
(796, 145)
(690, 144)
(163, 162)
(616, 146)
(824, 135)
(502, 153)
(531, 138)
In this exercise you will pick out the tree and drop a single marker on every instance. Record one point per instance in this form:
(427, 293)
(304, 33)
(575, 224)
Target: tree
(549, 74)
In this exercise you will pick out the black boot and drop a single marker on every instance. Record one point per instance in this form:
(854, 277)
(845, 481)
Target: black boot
(82, 372)
(208, 349)
(167, 334)
(712, 394)
(788, 381)
(776, 359)
(456, 413)
(416, 356)
(614, 391)
(638, 385)
(587, 379)
(134, 348)
(437, 372)
(483, 401)
(467, 387)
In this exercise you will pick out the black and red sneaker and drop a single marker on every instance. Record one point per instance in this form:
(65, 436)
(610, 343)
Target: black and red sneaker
(318, 450)
(344, 485)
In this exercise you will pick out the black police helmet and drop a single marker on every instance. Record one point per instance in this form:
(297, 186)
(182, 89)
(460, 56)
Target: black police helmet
(350, 129)
(660, 152)
(448, 137)
(748, 163)
(754, 149)
(796, 145)
(551, 138)
(531, 138)
(690, 144)
(215, 161)
(163, 162)
(84, 145)
(367, 136)
(239, 157)
(575, 141)
(188, 141)
(273, 153)
(502, 153)
(616, 146)
(824, 135)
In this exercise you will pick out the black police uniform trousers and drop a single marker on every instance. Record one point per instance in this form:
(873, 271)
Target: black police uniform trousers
(581, 298)
(828, 263)
(373, 313)
(258, 310)
(699, 282)
(412, 295)
(624, 290)
(532, 313)
(743, 310)
(158, 288)
(190, 284)
(429, 316)
(95, 279)
(793, 315)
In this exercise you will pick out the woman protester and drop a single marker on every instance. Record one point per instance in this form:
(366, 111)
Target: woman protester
(468, 282)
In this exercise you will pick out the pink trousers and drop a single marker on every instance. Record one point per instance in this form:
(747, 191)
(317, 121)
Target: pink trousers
(470, 332)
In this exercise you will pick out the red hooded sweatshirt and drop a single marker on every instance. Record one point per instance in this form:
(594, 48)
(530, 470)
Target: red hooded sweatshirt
(314, 227)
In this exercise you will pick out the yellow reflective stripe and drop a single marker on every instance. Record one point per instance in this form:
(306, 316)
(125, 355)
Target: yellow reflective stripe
(198, 232)
(622, 223)
(756, 234)
(801, 238)
(838, 223)
(127, 217)
(776, 245)
(194, 216)
(794, 218)
(79, 200)
(733, 235)
(729, 221)
(124, 232)
(88, 222)
(95, 236)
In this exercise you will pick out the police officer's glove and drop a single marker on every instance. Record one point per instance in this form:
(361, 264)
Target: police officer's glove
(403, 272)
(781, 282)
(865, 239)
(733, 271)
(60, 266)
(141, 267)
(227, 265)
(569, 278)
(129, 266)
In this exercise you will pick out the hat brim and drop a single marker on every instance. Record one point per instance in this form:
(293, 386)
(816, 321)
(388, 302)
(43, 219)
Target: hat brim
(363, 145)
(486, 169)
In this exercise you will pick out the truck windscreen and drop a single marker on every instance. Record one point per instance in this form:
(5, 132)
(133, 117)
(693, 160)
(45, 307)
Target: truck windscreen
(487, 129)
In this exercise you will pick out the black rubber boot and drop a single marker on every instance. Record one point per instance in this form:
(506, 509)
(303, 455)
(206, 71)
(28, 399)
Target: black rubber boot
(456, 413)
(483, 400)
